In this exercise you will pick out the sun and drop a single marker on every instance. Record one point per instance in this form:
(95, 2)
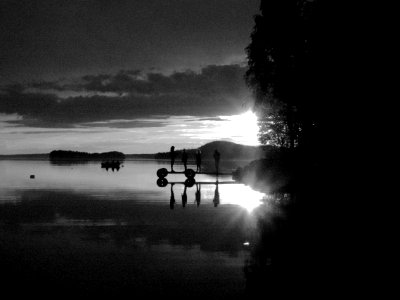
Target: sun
(242, 129)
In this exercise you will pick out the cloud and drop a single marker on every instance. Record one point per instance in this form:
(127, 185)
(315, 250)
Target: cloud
(214, 91)
(211, 80)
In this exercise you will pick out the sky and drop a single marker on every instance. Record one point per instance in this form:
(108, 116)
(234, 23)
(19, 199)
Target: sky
(130, 76)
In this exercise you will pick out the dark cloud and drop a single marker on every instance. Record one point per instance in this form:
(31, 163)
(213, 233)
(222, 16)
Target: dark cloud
(216, 90)
(211, 80)
(127, 124)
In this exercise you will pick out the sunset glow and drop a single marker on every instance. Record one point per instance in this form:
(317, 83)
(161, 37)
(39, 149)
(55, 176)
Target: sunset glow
(242, 129)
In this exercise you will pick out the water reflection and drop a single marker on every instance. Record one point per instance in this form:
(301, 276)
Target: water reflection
(198, 194)
(120, 225)
(112, 168)
(216, 195)
(213, 230)
(243, 195)
(113, 165)
(184, 196)
(284, 250)
(172, 198)
(232, 193)
(136, 177)
(192, 239)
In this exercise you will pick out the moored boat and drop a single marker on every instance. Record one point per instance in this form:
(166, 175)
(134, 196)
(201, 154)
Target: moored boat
(111, 164)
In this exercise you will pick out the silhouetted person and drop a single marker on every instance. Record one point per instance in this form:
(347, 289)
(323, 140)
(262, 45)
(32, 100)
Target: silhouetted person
(172, 199)
(172, 155)
(198, 194)
(184, 197)
(216, 196)
(184, 158)
(216, 160)
(198, 161)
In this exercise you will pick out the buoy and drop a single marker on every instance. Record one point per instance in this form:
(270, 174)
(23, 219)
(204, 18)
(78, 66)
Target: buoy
(162, 182)
(190, 182)
(162, 172)
(32, 176)
(189, 173)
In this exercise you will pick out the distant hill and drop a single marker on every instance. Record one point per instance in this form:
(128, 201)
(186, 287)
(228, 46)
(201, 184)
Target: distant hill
(228, 150)
(231, 150)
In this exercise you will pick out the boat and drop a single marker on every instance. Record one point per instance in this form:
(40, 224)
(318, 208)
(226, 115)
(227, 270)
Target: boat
(111, 164)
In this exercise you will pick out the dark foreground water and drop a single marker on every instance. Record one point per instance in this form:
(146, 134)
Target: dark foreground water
(79, 229)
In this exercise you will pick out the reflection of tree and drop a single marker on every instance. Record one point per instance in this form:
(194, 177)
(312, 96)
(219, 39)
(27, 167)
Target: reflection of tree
(274, 259)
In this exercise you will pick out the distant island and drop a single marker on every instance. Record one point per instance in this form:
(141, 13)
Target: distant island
(57, 155)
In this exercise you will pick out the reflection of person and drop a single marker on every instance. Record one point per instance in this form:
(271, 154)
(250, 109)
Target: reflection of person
(216, 196)
(184, 197)
(198, 161)
(172, 155)
(216, 159)
(172, 199)
(184, 158)
(198, 194)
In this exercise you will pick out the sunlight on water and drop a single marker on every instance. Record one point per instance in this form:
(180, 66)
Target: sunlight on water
(241, 195)
(230, 194)
(135, 181)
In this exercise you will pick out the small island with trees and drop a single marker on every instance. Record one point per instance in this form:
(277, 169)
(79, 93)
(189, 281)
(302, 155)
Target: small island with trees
(77, 156)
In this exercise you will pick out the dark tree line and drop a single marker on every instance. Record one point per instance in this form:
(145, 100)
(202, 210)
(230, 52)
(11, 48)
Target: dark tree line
(285, 65)
(84, 156)
(296, 69)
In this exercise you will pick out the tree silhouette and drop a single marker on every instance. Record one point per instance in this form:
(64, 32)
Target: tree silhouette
(282, 60)
(296, 65)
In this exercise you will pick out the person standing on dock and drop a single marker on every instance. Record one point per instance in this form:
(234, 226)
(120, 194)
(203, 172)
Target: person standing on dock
(198, 161)
(216, 160)
(172, 155)
(184, 158)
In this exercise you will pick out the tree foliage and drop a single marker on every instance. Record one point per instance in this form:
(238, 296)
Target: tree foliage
(282, 69)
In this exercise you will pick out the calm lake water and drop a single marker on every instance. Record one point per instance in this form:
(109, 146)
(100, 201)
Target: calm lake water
(87, 229)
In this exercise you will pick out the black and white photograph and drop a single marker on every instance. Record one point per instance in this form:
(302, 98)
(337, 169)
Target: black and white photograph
(167, 148)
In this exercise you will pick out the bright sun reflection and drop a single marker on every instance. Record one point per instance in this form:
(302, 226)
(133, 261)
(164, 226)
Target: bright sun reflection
(243, 129)
(241, 195)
